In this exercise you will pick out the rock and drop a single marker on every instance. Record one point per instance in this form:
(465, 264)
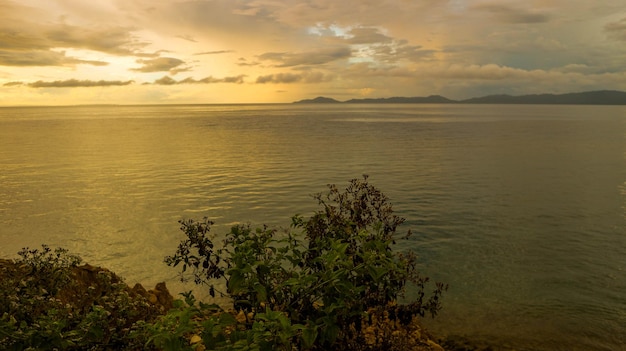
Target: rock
(159, 296)
(140, 290)
(153, 299)
(162, 296)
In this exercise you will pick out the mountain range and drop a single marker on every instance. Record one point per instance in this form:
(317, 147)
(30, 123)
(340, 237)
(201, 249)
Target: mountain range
(601, 97)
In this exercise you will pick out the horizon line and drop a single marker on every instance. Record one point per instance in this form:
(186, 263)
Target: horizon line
(306, 100)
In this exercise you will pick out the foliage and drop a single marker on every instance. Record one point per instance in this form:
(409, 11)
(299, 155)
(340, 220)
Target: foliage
(43, 305)
(308, 289)
(194, 325)
(331, 281)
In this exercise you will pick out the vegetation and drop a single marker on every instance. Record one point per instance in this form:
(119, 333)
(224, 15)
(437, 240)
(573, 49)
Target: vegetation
(331, 281)
(48, 302)
(311, 289)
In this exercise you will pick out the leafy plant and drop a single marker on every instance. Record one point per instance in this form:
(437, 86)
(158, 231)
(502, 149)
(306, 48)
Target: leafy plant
(309, 286)
(47, 303)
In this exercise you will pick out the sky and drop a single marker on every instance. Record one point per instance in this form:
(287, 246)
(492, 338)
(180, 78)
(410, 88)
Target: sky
(66, 52)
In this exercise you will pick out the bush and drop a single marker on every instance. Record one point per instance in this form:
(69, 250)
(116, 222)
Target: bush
(48, 302)
(309, 287)
(331, 281)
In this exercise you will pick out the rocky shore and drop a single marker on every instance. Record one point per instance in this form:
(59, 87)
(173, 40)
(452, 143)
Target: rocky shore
(89, 288)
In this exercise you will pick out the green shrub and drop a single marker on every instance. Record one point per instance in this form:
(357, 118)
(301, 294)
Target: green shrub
(308, 287)
(46, 305)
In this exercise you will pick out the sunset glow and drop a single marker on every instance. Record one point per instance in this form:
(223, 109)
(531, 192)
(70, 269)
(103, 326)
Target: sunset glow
(58, 52)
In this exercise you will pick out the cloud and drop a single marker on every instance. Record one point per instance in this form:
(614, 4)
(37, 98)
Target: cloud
(244, 62)
(371, 44)
(234, 79)
(354, 12)
(111, 40)
(41, 58)
(574, 68)
(161, 64)
(217, 52)
(616, 30)
(394, 47)
(166, 80)
(75, 83)
(42, 45)
(532, 80)
(319, 57)
(469, 80)
(287, 78)
(12, 84)
(279, 78)
(187, 37)
(509, 14)
(399, 50)
(367, 35)
(39, 36)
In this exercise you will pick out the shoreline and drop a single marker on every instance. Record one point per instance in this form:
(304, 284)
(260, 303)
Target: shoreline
(86, 288)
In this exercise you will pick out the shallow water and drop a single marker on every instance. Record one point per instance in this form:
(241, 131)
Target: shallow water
(521, 209)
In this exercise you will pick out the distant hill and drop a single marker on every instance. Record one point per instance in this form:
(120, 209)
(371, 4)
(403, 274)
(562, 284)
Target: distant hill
(433, 99)
(601, 97)
(317, 100)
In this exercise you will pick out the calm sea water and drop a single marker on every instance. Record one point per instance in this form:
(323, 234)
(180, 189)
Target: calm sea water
(521, 209)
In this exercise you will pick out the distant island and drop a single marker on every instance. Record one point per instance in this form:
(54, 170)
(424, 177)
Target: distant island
(601, 97)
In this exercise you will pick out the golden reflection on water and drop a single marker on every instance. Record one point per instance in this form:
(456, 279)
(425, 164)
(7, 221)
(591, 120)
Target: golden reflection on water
(527, 201)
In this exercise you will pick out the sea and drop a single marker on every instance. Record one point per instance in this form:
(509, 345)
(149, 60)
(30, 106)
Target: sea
(521, 209)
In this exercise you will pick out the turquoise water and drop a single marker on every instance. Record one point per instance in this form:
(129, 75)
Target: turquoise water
(521, 209)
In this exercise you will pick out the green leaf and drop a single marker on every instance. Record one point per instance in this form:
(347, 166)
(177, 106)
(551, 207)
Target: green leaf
(285, 322)
(309, 334)
(236, 282)
(227, 319)
(292, 281)
(261, 293)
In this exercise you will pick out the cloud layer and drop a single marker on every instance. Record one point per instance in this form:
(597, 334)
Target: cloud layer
(457, 48)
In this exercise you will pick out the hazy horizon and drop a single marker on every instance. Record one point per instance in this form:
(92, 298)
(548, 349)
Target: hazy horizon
(464, 101)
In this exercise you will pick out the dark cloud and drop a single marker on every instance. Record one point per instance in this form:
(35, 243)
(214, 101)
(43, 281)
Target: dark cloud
(367, 35)
(513, 15)
(243, 62)
(318, 57)
(74, 83)
(217, 52)
(175, 71)
(166, 80)
(161, 64)
(286, 78)
(235, 79)
(399, 50)
(112, 40)
(12, 39)
(616, 30)
(37, 57)
(22, 46)
(12, 84)
(33, 36)
(279, 78)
